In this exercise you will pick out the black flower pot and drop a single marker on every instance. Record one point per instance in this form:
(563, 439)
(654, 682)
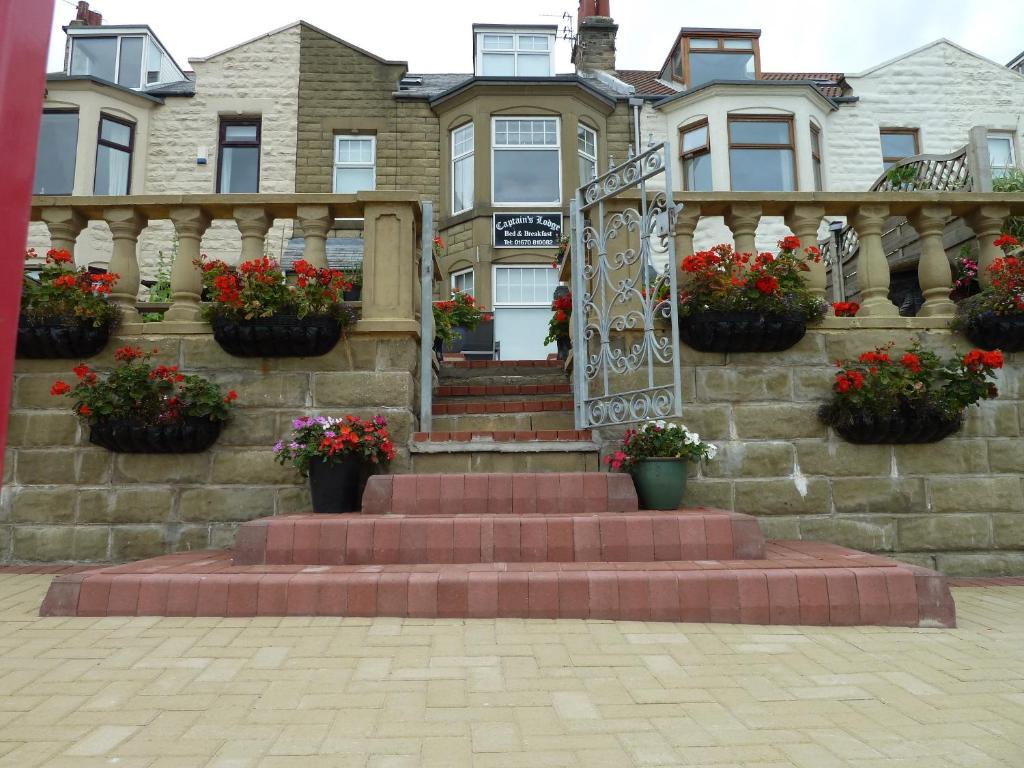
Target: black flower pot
(277, 336)
(337, 486)
(898, 427)
(355, 293)
(60, 337)
(991, 331)
(458, 340)
(564, 344)
(714, 331)
(190, 435)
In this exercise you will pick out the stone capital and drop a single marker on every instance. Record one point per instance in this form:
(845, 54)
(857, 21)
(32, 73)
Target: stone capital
(124, 222)
(930, 219)
(252, 221)
(189, 221)
(868, 219)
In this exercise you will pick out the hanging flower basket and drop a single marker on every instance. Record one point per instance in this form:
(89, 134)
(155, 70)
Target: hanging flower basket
(994, 317)
(989, 330)
(715, 331)
(60, 337)
(189, 435)
(284, 335)
(898, 427)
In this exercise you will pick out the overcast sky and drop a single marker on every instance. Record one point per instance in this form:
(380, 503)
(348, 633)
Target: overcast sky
(797, 35)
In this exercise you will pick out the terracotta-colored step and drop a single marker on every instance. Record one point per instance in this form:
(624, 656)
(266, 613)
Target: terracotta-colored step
(501, 406)
(824, 585)
(505, 364)
(500, 494)
(543, 537)
(500, 390)
(506, 436)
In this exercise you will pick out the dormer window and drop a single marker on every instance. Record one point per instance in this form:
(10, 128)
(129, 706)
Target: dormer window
(702, 56)
(514, 52)
(133, 60)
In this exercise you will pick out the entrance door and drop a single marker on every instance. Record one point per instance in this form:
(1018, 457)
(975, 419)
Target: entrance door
(522, 310)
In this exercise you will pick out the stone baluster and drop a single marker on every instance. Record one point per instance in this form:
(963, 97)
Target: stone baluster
(125, 226)
(316, 221)
(743, 219)
(872, 266)
(253, 224)
(805, 220)
(987, 223)
(933, 271)
(686, 224)
(186, 275)
(64, 224)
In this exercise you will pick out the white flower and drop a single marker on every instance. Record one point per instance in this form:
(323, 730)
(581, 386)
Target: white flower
(711, 450)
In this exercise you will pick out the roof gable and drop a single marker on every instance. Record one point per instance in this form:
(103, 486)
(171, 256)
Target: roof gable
(941, 42)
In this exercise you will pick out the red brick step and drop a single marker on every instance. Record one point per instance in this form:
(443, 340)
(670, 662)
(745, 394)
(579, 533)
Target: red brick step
(501, 406)
(494, 390)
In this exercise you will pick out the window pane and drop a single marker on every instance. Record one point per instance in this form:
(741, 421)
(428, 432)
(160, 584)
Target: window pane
(111, 171)
(115, 132)
(898, 145)
(348, 181)
(697, 170)
(533, 43)
(586, 141)
(498, 64)
(588, 169)
(695, 139)
(759, 132)
(762, 170)
(816, 142)
(240, 133)
(462, 140)
(534, 65)
(94, 56)
(153, 63)
(516, 133)
(1000, 151)
(239, 169)
(463, 282)
(462, 181)
(738, 45)
(356, 150)
(817, 175)
(130, 67)
(705, 67)
(497, 42)
(702, 42)
(526, 176)
(55, 156)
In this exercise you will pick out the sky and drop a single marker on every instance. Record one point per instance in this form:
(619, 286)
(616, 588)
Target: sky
(838, 36)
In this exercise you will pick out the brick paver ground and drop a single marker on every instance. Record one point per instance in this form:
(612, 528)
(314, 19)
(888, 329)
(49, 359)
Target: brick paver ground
(390, 693)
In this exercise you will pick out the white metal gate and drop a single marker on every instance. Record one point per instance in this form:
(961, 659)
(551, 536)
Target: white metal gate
(620, 291)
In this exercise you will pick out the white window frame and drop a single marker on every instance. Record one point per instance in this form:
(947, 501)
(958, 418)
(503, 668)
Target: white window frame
(519, 305)
(515, 50)
(581, 153)
(471, 154)
(336, 166)
(556, 147)
(460, 273)
(1009, 137)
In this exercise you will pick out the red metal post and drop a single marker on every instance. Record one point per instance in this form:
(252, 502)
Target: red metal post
(24, 39)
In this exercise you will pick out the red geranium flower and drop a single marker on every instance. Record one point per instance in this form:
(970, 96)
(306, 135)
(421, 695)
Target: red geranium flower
(767, 284)
(789, 243)
(911, 361)
(59, 388)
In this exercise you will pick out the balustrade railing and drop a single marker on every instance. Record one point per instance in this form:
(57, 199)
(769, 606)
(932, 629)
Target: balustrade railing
(392, 222)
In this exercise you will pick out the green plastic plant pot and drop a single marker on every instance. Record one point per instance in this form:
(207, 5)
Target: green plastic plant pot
(660, 483)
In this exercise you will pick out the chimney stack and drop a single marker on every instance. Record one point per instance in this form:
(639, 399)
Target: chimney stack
(86, 18)
(595, 37)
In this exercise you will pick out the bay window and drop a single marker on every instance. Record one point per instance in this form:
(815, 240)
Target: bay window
(114, 59)
(114, 156)
(462, 168)
(761, 156)
(697, 59)
(515, 53)
(695, 151)
(586, 147)
(56, 153)
(355, 164)
(238, 158)
(526, 161)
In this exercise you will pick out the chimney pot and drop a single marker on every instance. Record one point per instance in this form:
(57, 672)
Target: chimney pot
(86, 17)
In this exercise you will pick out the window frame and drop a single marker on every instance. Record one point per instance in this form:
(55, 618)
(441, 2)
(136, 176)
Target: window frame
(682, 75)
(463, 156)
(519, 305)
(744, 118)
(515, 50)
(556, 147)
(692, 154)
(337, 165)
(460, 273)
(101, 142)
(74, 171)
(147, 43)
(582, 155)
(1008, 136)
(892, 160)
(816, 154)
(223, 143)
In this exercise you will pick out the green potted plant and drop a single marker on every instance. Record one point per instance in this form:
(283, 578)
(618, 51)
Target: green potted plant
(355, 280)
(256, 313)
(916, 398)
(455, 318)
(64, 311)
(994, 318)
(558, 325)
(656, 454)
(736, 302)
(142, 408)
(336, 454)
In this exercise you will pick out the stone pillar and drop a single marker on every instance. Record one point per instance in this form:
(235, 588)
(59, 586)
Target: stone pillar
(316, 221)
(64, 225)
(186, 276)
(125, 225)
(390, 277)
(253, 224)
(933, 271)
(743, 219)
(686, 224)
(987, 223)
(872, 266)
(804, 220)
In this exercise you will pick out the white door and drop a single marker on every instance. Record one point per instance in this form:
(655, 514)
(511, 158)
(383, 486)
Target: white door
(522, 310)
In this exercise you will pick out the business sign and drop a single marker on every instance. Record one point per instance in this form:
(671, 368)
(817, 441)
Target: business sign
(527, 230)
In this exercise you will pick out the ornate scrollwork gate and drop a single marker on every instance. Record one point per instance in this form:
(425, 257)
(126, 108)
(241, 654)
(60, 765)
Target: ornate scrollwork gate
(622, 291)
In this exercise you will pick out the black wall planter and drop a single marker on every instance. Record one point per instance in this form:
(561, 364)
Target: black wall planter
(278, 336)
(190, 435)
(337, 486)
(902, 427)
(60, 337)
(564, 344)
(714, 331)
(355, 293)
(991, 331)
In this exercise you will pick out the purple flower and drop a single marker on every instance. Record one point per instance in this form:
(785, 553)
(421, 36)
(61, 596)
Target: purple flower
(293, 446)
(329, 433)
(322, 421)
(278, 446)
(300, 423)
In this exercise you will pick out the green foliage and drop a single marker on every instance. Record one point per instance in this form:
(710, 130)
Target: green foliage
(660, 440)
(1012, 182)
(65, 291)
(460, 310)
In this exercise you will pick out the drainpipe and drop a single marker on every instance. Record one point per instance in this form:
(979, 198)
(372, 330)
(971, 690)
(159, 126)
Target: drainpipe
(637, 104)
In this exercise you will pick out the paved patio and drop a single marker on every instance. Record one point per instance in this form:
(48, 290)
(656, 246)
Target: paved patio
(389, 693)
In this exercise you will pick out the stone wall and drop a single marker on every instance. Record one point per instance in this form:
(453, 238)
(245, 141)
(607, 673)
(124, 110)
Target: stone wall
(63, 499)
(957, 505)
